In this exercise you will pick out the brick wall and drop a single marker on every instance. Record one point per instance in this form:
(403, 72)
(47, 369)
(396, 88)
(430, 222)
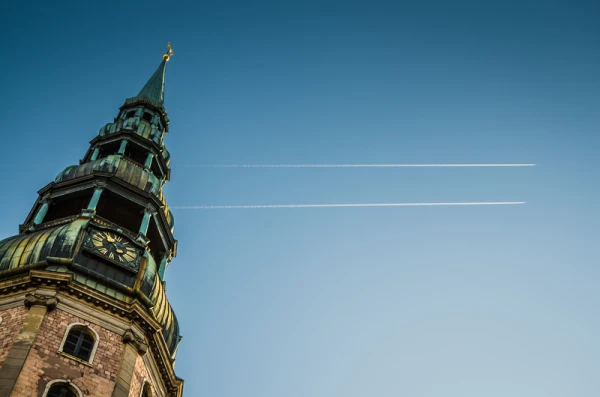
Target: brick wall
(44, 363)
(12, 320)
(137, 382)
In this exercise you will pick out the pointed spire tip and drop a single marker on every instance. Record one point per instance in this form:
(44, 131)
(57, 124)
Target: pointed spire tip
(167, 55)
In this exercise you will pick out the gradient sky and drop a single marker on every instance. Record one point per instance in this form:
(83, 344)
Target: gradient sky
(353, 302)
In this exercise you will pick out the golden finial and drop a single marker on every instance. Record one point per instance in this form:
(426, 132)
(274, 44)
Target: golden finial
(167, 55)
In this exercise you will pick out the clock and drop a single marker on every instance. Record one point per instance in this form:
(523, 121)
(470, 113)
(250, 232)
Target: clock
(114, 247)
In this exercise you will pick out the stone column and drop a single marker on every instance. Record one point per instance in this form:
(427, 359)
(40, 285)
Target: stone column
(134, 346)
(95, 154)
(148, 212)
(123, 146)
(96, 197)
(146, 220)
(11, 368)
(41, 213)
(91, 208)
(163, 266)
(148, 162)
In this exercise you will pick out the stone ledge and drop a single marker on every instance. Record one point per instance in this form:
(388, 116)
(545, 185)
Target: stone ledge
(70, 357)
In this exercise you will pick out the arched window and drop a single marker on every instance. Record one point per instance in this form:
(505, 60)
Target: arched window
(61, 388)
(147, 116)
(146, 389)
(80, 341)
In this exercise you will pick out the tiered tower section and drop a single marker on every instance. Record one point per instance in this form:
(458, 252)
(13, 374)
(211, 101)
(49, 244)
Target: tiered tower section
(82, 299)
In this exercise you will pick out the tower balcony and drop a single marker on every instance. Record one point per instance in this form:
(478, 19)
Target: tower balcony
(139, 127)
(120, 167)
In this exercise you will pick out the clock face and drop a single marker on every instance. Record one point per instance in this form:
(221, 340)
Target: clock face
(114, 247)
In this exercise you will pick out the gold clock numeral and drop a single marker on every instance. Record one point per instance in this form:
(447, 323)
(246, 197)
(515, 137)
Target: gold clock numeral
(114, 247)
(129, 257)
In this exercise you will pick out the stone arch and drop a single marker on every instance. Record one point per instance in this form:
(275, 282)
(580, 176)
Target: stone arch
(67, 382)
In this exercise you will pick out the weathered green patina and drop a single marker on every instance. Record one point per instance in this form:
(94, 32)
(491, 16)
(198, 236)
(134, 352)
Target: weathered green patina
(26, 249)
(58, 244)
(118, 166)
(154, 90)
(21, 251)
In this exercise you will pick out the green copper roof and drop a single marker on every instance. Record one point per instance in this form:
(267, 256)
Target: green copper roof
(154, 90)
(64, 241)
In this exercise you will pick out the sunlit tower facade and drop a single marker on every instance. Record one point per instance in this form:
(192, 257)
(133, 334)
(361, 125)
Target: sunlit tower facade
(83, 307)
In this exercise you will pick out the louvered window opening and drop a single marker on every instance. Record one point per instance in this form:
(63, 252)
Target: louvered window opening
(60, 390)
(79, 343)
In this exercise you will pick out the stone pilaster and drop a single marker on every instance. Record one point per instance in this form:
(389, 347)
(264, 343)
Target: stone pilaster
(11, 368)
(134, 346)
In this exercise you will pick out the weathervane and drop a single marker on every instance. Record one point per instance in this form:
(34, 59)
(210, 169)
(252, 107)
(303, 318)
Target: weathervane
(167, 55)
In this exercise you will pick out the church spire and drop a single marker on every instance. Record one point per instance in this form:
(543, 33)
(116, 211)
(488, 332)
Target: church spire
(154, 90)
(98, 239)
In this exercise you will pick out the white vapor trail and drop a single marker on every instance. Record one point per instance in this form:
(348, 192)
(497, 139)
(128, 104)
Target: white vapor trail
(216, 207)
(351, 165)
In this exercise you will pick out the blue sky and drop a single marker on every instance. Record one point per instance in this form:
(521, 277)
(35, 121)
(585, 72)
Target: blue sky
(427, 302)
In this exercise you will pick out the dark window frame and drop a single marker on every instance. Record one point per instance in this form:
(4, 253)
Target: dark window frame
(61, 389)
(146, 391)
(79, 343)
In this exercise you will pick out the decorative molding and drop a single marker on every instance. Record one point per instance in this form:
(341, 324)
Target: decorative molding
(49, 302)
(140, 345)
(56, 222)
(88, 213)
(84, 183)
(105, 224)
(93, 315)
(142, 239)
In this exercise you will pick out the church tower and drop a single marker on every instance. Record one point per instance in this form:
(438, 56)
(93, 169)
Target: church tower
(83, 308)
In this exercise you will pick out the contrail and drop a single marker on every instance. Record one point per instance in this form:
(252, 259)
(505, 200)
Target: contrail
(220, 207)
(351, 165)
